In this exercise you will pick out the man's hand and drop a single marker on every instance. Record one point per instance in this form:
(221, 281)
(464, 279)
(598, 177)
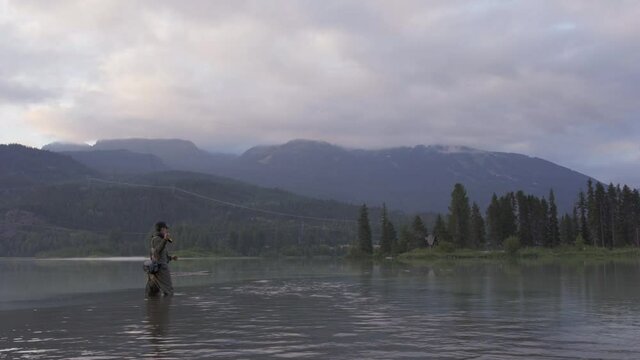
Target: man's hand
(174, 258)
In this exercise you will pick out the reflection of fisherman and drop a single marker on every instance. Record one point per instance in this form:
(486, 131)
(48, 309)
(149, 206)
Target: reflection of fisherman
(158, 320)
(160, 282)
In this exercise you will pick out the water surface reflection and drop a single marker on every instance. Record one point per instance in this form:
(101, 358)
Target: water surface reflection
(332, 309)
(157, 321)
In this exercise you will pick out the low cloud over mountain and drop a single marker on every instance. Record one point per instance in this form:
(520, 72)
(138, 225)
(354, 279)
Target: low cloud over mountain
(416, 178)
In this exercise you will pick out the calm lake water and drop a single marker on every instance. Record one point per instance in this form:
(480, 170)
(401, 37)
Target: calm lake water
(254, 309)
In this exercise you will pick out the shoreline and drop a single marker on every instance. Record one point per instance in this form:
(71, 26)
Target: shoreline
(417, 255)
(560, 253)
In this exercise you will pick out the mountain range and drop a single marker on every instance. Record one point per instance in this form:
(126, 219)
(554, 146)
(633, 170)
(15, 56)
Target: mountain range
(417, 178)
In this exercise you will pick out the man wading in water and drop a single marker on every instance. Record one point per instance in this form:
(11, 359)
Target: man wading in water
(160, 282)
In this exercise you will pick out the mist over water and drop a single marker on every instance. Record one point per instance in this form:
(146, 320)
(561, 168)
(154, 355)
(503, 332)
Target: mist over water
(321, 309)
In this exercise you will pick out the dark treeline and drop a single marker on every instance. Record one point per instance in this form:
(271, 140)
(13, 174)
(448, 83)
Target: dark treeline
(411, 235)
(89, 218)
(603, 216)
(21, 166)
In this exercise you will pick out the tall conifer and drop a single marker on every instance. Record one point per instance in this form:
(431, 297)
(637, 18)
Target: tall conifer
(440, 230)
(553, 227)
(365, 244)
(477, 227)
(599, 214)
(494, 236)
(419, 232)
(584, 225)
(388, 236)
(459, 215)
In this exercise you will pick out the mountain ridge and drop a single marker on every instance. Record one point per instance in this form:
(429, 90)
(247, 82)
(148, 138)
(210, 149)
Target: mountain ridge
(23, 166)
(409, 178)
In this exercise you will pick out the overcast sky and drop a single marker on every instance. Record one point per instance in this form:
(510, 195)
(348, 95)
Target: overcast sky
(554, 79)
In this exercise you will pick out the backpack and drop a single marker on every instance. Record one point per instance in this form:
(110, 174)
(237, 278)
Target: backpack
(151, 266)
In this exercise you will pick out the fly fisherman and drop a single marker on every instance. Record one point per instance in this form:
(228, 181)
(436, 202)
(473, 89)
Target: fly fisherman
(160, 281)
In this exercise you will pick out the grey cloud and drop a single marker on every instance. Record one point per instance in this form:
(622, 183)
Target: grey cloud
(551, 79)
(15, 93)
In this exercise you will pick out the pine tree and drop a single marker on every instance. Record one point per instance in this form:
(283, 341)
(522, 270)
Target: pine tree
(599, 214)
(594, 217)
(459, 215)
(584, 225)
(419, 233)
(636, 218)
(611, 219)
(440, 230)
(494, 235)
(575, 226)
(566, 230)
(477, 227)
(540, 221)
(553, 227)
(544, 219)
(386, 242)
(394, 238)
(365, 244)
(627, 217)
(402, 245)
(507, 217)
(524, 219)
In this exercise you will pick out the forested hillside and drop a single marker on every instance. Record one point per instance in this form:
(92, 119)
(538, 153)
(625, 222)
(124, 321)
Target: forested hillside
(53, 205)
(22, 166)
(118, 161)
(209, 215)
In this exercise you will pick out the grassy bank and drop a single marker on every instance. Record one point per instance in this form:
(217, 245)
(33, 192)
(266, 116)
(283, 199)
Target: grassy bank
(586, 252)
(579, 252)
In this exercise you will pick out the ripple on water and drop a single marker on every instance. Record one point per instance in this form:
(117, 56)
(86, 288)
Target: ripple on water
(337, 317)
